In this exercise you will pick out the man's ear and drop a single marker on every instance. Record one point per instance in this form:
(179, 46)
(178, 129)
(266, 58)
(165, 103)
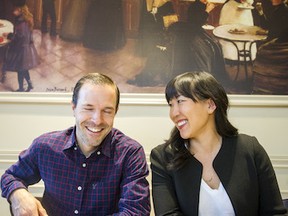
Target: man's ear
(211, 106)
(73, 108)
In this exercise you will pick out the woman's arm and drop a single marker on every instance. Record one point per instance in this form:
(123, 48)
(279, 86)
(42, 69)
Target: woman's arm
(163, 192)
(270, 197)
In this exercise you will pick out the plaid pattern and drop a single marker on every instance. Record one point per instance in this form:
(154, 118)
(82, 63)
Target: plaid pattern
(111, 181)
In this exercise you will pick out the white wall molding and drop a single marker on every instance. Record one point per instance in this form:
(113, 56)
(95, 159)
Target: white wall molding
(8, 156)
(279, 162)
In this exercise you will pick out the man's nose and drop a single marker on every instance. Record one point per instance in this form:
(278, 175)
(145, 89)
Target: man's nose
(97, 117)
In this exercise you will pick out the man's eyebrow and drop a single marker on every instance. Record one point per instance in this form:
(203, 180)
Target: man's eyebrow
(87, 105)
(105, 108)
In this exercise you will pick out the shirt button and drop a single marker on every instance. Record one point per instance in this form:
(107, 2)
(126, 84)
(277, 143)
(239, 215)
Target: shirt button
(98, 153)
(75, 148)
(76, 211)
(84, 165)
(79, 188)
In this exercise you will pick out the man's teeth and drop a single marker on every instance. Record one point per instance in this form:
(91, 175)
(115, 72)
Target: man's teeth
(181, 123)
(95, 130)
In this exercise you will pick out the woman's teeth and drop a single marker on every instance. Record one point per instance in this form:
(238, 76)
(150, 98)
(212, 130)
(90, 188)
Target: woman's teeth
(181, 123)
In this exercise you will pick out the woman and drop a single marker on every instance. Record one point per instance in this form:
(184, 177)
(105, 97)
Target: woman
(236, 12)
(188, 47)
(151, 26)
(194, 49)
(206, 167)
(74, 20)
(21, 54)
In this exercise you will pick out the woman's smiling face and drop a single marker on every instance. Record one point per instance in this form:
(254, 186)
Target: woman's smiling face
(191, 118)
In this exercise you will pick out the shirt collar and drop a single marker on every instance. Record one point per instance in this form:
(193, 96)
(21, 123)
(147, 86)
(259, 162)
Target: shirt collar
(105, 146)
(72, 138)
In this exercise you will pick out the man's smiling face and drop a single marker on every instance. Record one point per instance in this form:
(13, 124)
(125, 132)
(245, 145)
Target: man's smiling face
(94, 115)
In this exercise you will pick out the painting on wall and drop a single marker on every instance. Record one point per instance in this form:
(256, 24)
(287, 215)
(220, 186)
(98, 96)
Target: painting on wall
(142, 44)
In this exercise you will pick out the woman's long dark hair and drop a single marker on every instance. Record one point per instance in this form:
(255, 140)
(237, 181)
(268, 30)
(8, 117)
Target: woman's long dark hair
(198, 86)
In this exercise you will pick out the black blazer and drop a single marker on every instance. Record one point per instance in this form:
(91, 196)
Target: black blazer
(243, 167)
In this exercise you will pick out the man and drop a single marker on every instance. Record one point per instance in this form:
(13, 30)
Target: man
(274, 19)
(48, 8)
(89, 169)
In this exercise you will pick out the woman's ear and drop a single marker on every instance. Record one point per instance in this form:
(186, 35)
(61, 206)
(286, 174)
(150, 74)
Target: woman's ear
(211, 106)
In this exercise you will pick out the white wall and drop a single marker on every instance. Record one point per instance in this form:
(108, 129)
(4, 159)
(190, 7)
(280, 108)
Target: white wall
(143, 117)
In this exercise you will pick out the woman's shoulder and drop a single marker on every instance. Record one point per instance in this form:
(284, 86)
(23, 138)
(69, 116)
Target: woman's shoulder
(159, 149)
(245, 143)
(160, 146)
(242, 138)
(162, 151)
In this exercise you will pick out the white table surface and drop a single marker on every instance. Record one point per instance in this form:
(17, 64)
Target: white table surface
(7, 27)
(249, 33)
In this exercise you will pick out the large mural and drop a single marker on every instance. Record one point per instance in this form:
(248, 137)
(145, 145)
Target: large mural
(142, 44)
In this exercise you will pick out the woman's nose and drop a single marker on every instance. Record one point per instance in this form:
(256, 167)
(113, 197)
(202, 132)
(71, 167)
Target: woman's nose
(174, 111)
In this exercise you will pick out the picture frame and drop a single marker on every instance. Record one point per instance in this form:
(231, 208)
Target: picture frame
(131, 27)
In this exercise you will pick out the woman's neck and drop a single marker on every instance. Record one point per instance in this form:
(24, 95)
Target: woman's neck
(206, 145)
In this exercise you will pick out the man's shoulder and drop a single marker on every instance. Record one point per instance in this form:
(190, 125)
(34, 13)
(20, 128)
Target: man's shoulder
(124, 148)
(121, 140)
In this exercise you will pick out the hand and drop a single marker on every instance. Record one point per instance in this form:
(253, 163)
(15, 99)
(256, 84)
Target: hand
(154, 10)
(259, 8)
(24, 203)
(210, 6)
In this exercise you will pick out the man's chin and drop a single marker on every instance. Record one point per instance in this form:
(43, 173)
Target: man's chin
(95, 142)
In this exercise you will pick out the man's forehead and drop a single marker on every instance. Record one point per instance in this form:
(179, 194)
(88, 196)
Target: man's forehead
(92, 93)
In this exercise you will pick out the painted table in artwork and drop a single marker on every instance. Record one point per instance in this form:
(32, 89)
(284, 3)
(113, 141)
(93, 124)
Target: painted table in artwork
(246, 35)
(5, 27)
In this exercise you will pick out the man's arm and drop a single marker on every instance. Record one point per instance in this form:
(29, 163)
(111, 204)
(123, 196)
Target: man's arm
(21, 174)
(24, 203)
(17, 178)
(135, 194)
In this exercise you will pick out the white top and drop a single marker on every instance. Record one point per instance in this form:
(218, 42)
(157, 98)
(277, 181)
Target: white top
(231, 13)
(214, 201)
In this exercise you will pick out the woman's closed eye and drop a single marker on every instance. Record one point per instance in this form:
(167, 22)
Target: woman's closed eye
(176, 101)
